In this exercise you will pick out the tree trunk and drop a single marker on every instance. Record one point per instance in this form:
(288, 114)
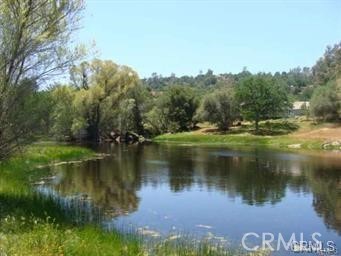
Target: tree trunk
(93, 128)
(257, 125)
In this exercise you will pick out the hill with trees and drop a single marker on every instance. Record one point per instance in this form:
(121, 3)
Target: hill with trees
(104, 100)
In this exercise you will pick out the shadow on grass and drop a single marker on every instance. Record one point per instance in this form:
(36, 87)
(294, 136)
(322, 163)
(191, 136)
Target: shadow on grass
(267, 128)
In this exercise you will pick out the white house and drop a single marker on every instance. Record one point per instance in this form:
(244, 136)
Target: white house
(299, 108)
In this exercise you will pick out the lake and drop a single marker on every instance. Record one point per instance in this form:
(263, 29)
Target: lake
(214, 193)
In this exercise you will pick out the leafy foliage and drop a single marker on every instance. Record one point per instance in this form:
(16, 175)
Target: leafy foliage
(133, 109)
(175, 110)
(108, 82)
(261, 98)
(34, 37)
(63, 111)
(326, 102)
(328, 67)
(220, 108)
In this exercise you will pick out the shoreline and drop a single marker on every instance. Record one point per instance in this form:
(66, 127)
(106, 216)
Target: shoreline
(287, 142)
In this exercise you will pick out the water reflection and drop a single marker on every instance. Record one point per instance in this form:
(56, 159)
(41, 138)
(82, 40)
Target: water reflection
(325, 182)
(255, 178)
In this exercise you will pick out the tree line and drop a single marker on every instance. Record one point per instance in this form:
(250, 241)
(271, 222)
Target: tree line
(103, 98)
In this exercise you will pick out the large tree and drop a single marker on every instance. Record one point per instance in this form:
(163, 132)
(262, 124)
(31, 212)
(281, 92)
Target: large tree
(178, 105)
(63, 112)
(326, 102)
(219, 108)
(261, 98)
(133, 110)
(97, 103)
(34, 39)
(328, 67)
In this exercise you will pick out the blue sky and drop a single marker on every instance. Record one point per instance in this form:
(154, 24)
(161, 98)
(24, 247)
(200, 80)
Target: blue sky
(185, 37)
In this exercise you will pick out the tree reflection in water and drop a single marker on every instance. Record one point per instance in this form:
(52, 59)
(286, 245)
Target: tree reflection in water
(255, 176)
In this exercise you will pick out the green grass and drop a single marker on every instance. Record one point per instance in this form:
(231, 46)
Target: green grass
(20, 171)
(272, 134)
(34, 236)
(34, 225)
(244, 139)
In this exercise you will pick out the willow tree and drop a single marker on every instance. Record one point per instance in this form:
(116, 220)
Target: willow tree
(97, 103)
(34, 39)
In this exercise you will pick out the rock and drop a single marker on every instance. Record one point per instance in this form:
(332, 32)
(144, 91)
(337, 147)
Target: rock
(174, 237)
(50, 178)
(331, 144)
(336, 143)
(60, 163)
(141, 139)
(39, 183)
(203, 226)
(148, 232)
(294, 146)
(84, 197)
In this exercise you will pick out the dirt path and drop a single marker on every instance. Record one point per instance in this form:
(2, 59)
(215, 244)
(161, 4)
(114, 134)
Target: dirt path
(328, 132)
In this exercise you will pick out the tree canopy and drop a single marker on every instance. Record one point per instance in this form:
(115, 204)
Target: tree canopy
(219, 108)
(261, 98)
(102, 97)
(34, 46)
(95, 103)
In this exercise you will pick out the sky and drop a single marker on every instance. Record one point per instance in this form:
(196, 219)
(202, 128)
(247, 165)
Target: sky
(185, 37)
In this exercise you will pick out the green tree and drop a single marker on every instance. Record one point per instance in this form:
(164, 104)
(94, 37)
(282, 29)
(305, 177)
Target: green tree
(328, 67)
(34, 46)
(219, 108)
(156, 121)
(261, 98)
(326, 102)
(134, 108)
(97, 103)
(338, 96)
(45, 103)
(178, 104)
(63, 113)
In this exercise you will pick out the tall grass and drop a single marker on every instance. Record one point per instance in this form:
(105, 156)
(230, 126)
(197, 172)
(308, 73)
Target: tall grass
(34, 225)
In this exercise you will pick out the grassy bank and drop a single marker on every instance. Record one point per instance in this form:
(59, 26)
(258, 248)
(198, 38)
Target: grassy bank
(276, 134)
(240, 140)
(35, 225)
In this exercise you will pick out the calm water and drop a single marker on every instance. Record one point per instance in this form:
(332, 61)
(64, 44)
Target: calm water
(210, 192)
